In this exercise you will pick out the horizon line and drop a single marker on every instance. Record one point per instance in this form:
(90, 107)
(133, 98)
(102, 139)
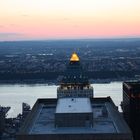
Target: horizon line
(68, 39)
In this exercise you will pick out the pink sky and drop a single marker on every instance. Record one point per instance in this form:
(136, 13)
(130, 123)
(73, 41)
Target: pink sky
(58, 19)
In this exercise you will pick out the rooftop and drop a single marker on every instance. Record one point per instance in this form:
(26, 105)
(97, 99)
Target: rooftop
(106, 118)
(73, 105)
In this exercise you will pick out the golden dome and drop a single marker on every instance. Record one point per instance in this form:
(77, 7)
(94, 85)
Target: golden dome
(74, 57)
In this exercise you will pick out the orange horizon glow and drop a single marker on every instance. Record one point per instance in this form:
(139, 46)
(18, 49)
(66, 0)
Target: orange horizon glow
(34, 19)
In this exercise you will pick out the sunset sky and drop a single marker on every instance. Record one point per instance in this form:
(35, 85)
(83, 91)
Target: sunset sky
(58, 19)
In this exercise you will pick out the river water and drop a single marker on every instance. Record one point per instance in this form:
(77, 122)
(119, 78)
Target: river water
(14, 94)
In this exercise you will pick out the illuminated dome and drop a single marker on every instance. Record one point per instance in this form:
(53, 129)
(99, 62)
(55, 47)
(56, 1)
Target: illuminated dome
(74, 57)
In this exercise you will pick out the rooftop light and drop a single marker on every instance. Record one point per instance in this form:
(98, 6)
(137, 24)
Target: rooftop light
(74, 57)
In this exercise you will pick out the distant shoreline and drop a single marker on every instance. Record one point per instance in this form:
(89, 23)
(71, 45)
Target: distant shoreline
(55, 82)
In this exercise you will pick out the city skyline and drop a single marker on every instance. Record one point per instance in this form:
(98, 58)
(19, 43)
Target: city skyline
(53, 19)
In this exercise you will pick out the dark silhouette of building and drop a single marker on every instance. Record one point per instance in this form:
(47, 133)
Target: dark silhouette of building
(3, 113)
(131, 106)
(25, 110)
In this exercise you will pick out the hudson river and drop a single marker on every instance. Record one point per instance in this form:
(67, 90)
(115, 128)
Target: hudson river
(14, 95)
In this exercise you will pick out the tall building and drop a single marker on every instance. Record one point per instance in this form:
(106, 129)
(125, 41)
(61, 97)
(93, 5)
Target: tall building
(74, 83)
(131, 106)
(74, 114)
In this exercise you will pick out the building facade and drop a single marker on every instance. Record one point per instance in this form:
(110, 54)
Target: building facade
(131, 106)
(75, 82)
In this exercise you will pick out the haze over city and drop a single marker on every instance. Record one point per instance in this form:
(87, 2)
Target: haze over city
(63, 19)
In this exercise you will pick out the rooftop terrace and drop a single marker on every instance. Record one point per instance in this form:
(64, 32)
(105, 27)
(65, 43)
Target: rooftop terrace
(106, 119)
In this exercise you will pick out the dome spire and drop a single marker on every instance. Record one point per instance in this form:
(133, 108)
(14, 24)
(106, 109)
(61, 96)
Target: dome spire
(74, 57)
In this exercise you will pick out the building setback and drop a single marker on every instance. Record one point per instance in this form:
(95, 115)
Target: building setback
(75, 82)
